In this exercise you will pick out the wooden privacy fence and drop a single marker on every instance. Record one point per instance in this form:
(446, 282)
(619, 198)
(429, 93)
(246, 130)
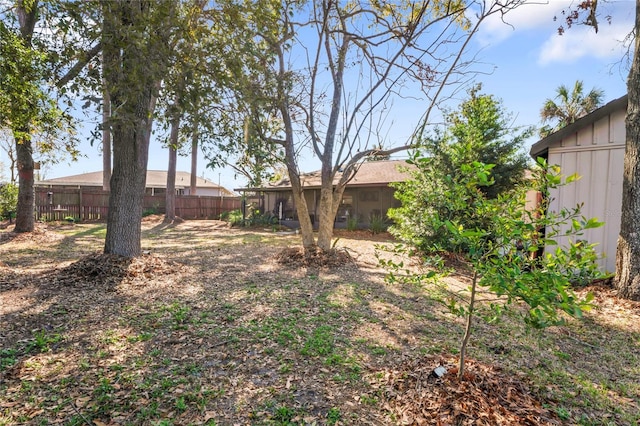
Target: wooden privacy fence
(92, 204)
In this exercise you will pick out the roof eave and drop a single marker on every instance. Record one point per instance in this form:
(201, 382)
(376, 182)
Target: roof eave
(288, 188)
(542, 146)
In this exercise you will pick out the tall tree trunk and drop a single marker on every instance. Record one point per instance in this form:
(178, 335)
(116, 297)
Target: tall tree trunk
(25, 220)
(128, 180)
(127, 193)
(628, 253)
(306, 228)
(170, 196)
(106, 138)
(193, 183)
(133, 80)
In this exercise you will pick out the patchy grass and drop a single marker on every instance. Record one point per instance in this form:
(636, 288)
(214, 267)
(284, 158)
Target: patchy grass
(210, 329)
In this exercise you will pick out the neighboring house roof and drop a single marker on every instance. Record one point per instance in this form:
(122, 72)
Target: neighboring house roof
(542, 146)
(155, 179)
(370, 173)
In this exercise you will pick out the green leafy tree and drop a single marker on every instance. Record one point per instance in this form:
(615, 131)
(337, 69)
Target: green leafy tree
(136, 54)
(184, 90)
(242, 125)
(478, 131)
(8, 200)
(24, 107)
(37, 67)
(568, 106)
(215, 49)
(481, 130)
(500, 248)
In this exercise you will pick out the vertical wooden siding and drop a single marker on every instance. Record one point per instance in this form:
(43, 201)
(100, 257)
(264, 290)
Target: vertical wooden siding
(596, 153)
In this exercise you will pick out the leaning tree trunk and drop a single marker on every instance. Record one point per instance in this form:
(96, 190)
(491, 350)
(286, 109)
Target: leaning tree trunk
(25, 220)
(628, 253)
(306, 228)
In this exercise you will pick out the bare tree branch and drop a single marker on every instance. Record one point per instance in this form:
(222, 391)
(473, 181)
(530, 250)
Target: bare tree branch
(79, 65)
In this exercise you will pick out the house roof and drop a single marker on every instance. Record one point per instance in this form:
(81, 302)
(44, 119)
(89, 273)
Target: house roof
(542, 146)
(155, 179)
(370, 173)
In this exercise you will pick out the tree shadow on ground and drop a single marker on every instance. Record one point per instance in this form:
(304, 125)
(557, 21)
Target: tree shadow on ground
(217, 330)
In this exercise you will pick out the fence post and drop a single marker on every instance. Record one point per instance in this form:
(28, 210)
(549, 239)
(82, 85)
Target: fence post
(80, 210)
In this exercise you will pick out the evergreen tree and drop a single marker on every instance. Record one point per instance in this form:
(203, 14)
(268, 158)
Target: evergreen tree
(479, 131)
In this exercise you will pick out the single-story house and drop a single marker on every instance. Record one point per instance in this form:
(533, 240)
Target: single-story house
(366, 196)
(156, 183)
(593, 147)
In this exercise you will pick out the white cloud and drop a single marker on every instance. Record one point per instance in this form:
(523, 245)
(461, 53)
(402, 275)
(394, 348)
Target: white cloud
(581, 42)
(535, 15)
(535, 20)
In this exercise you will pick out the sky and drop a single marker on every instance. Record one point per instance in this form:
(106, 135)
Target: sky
(526, 60)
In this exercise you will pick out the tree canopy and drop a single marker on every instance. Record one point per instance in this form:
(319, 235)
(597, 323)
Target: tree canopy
(478, 131)
(44, 46)
(571, 105)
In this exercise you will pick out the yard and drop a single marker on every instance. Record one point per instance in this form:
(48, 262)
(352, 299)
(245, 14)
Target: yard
(210, 328)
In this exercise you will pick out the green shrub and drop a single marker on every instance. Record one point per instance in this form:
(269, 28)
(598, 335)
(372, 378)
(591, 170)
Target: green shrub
(235, 218)
(352, 223)
(150, 211)
(500, 242)
(8, 199)
(256, 218)
(377, 224)
(479, 131)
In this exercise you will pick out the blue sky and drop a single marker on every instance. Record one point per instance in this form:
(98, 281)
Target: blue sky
(527, 60)
(533, 60)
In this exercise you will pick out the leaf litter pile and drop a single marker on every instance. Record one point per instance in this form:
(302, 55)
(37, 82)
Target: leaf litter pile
(485, 396)
(314, 257)
(234, 327)
(109, 269)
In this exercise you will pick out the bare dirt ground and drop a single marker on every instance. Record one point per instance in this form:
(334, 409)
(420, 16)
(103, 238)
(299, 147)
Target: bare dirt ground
(225, 326)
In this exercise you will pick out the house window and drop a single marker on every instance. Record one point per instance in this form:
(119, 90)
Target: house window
(346, 209)
(155, 191)
(369, 196)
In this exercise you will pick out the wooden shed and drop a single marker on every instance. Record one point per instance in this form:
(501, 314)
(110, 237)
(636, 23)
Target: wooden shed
(593, 147)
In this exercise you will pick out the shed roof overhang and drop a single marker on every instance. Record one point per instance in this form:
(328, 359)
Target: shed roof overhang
(540, 148)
